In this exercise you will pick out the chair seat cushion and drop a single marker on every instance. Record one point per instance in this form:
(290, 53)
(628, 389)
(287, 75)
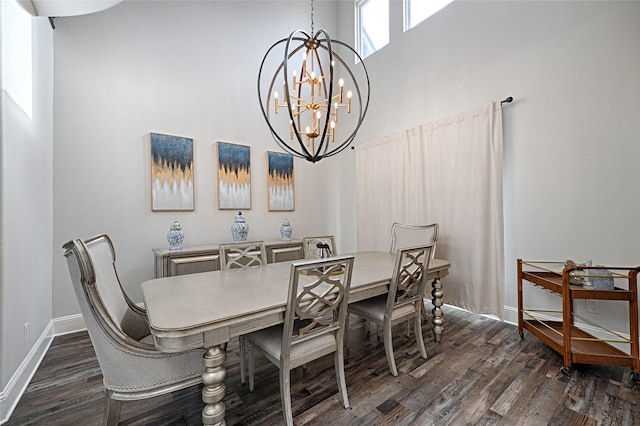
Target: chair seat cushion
(373, 309)
(270, 341)
(148, 339)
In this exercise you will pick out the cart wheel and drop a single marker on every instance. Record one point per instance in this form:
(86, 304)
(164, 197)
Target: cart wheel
(565, 370)
(634, 378)
(521, 333)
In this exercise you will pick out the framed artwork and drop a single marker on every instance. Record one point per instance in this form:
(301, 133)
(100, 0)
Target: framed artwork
(172, 178)
(280, 182)
(234, 176)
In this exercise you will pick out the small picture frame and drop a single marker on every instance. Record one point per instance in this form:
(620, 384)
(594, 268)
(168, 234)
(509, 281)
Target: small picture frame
(234, 176)
(172, 175)
(280, 182)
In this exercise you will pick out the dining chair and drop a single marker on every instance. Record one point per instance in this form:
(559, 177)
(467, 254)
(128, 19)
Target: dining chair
(403, 301)
(405, 235)
(132, 368)
(314, 324)
(242, 255)
(310, 246)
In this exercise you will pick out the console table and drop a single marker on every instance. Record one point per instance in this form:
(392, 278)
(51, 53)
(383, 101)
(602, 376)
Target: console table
(190, 260)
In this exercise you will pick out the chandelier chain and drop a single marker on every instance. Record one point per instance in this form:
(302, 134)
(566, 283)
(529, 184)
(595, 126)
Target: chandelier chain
(312, 18)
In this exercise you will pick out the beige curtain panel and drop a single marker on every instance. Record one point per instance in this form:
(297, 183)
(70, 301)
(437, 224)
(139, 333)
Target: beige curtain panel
(449, 172)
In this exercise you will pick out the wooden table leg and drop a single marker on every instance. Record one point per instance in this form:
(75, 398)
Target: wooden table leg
(213, 389)
(438, 317)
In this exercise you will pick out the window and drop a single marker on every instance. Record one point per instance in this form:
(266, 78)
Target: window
(416, 11)
(372, 17)
(16, 44)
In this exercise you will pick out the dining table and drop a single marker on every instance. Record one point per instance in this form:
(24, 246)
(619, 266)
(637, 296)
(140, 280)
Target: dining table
(207, 309)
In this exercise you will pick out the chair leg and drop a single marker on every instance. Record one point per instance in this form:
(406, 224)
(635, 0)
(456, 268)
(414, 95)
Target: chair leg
(112, 408)
(342, 383)
(346, 332)
(249, 348)
(418, 332)
(285, 395)
(388, 348)
(242, 345)
(423, 311)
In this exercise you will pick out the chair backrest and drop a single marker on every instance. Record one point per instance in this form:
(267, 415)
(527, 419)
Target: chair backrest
(404, 235)
(113, 322)
(310, 246)
(242, 255)
(99, 290)
(409, 276)
(318, 300)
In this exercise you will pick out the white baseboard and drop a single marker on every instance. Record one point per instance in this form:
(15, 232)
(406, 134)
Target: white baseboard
(68, 324)
(511, 315)
(11, 394)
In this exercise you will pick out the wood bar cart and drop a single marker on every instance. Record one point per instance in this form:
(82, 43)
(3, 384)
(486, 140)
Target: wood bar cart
(561, 331)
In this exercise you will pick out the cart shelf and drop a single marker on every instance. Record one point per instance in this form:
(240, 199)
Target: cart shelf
(563, 335)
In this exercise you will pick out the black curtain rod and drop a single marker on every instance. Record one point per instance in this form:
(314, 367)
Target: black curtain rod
(506, 101)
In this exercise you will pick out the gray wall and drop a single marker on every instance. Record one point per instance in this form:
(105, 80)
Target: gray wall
(26, 228)
(569, 176)
(189, 68)
(181, 68)
(571, 135)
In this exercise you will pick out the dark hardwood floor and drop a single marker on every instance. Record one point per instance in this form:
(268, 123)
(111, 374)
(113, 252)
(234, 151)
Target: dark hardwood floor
(482, 373)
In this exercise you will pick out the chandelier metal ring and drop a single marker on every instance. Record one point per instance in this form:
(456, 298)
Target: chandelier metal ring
(311, 101)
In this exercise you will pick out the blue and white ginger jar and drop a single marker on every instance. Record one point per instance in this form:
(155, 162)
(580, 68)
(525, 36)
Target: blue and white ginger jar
(175, 236)
(286, 230)
(239, 228)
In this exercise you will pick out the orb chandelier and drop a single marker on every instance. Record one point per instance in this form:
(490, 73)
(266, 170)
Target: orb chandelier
(321, 104)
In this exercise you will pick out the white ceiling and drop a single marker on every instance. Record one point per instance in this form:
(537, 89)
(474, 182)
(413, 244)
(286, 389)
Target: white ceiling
(55, 8)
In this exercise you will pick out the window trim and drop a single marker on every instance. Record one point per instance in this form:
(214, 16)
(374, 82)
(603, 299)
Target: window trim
(359, 4)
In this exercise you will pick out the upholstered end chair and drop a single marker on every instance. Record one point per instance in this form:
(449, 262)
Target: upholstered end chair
(132, 368)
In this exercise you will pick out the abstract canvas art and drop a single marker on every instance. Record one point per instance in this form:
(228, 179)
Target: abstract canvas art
(172, 178)
(280, 182)
(234, 176)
